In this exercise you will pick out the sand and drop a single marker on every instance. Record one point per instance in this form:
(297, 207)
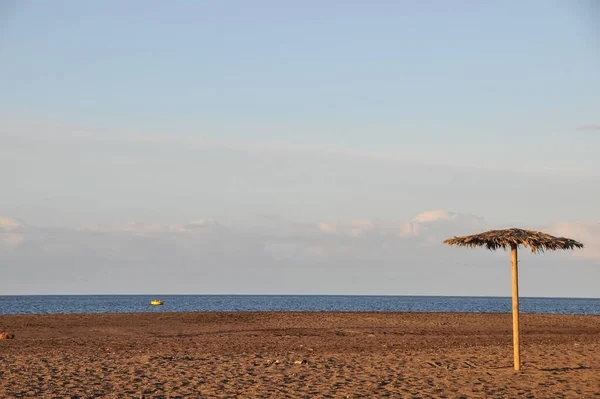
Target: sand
(298, 355)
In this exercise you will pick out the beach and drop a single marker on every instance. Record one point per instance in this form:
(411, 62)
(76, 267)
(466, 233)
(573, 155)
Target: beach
(298, 355)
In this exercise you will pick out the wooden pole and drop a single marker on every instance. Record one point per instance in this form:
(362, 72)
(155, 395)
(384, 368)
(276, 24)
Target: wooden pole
(515, 306)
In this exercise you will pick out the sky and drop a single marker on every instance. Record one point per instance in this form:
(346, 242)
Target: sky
(310, 148)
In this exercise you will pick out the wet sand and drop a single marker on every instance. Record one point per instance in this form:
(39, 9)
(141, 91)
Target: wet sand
(298, 355)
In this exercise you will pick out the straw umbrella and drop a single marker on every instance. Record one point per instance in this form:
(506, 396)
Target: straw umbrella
(513, 238)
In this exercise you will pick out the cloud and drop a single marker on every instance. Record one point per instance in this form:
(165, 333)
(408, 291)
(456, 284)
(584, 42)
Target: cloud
(11, 240)
(140, 228)
(354, 256)
(202, 222)
(586, 233)
(284, 240)
(354, 228)
(327, 227)
(430, 226)
(11, 235)
(433, 216)
(9, 224)
(438, 225)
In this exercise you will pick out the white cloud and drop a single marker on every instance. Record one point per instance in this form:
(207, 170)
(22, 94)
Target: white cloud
(336, 240)
(11, 240)
(327, 227)
(202, 222)
(354, 228)
(9, 224)
(140, 228)
(136, 228)
(586, 233)
(439, 224)
(431, 225)
(145, 228)
(204, 256)
(11, 233)
(434, 216)
(161, 178)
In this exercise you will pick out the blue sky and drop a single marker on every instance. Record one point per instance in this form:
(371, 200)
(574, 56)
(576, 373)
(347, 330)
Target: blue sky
(271, 115)
(375, 75)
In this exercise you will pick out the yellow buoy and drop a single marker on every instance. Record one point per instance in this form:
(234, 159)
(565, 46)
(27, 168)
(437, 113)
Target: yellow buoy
(156, 302)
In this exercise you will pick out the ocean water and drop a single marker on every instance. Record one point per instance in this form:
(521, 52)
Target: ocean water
(46, 304)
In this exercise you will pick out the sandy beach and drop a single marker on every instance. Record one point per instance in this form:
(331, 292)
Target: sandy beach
(297, 355)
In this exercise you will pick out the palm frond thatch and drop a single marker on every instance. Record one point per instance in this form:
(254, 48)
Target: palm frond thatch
(507, 238)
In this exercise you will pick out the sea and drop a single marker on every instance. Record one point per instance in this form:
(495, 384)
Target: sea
(58, 304)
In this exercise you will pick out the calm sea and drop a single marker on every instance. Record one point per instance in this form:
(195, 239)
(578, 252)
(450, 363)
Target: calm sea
(42, 304)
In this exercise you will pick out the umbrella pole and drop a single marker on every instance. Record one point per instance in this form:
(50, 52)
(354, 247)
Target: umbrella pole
(515, 307)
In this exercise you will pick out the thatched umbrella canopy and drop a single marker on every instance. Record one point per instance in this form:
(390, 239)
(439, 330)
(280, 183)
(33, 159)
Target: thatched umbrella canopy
(513, 238)
(536, 241)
